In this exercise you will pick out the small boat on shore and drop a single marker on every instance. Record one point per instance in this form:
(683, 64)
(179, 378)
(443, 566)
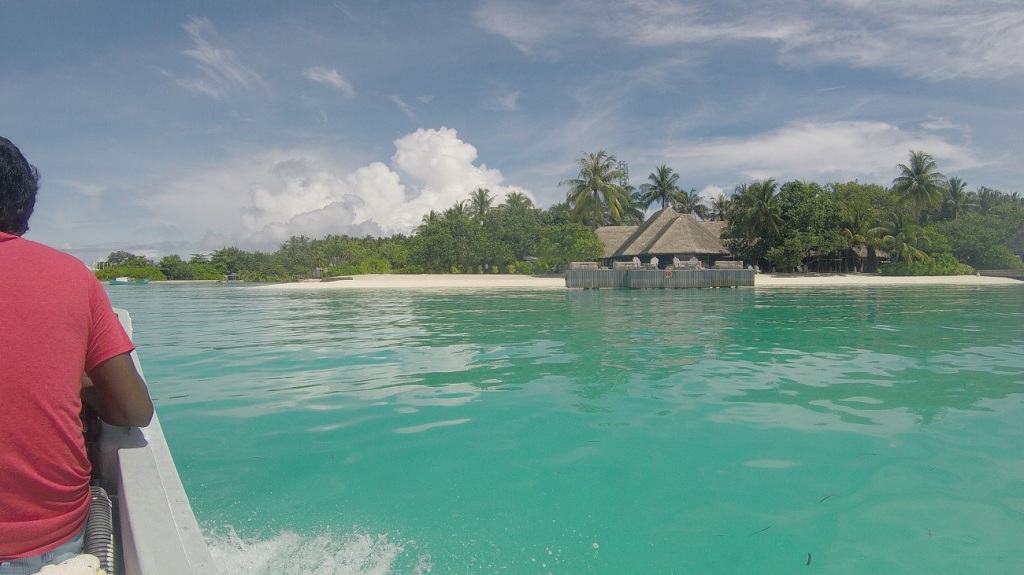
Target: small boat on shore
(127, 281)
(145, 524)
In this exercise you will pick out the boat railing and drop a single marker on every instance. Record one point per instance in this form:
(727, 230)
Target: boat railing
(159, 533)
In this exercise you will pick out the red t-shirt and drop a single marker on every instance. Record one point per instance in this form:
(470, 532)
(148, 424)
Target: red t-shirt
(55, 323)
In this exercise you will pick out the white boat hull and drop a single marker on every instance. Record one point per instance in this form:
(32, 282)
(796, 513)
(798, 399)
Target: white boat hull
(158, 531)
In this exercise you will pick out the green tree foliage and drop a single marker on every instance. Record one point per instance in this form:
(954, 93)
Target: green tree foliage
(864, 207)
(978, 240)
(754, 221)
(127, 259)
(597, 195)
(956, 200)
(661, 187)
(940, 265)
(512, 234)
(446, 244)
(479, 202)
(903, 239)
(691, 203)
(151, 273)
(562, 244)
(126, 264)
(633, 213)
(720, 207)
(513, 237)
(811, 226)
(197, 268)
(920, 183)
(767, 225)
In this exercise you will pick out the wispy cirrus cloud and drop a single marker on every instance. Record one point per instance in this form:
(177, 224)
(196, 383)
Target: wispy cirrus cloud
(934, 40)
(929, 39)
(503, 101)
(822, 150)
(331, 78)
(219, 70)
(404, 107)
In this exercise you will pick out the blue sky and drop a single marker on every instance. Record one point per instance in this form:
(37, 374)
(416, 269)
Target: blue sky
(183, 127)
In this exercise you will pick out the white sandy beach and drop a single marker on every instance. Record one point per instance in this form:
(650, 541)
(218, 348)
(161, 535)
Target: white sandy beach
(481, 281)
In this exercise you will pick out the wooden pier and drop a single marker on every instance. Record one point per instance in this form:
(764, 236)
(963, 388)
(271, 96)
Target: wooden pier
(657, 279)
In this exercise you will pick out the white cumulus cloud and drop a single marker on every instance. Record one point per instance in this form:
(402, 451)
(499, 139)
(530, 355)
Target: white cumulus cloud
(259, 201)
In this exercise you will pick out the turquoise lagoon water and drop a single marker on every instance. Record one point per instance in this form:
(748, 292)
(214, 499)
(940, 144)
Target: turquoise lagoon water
(858, 430)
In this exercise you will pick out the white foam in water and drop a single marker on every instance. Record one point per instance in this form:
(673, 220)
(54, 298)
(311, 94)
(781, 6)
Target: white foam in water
(325, 554)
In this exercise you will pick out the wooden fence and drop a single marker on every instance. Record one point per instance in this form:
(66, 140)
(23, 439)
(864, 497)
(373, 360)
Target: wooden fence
(658, 279)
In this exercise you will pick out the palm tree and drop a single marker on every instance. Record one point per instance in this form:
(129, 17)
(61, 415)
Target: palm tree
(663, 187)
(633, 213)
(857, 231)
(720, 207)
(1016, 200)
(919, 182)
(480, 201)
(458, 211)
(957, 201)
(902, 238)
(759, 210)
(431, 217)
(690, 203)
(755, 219)
(988, 199)
(596, 195)
(518, 200)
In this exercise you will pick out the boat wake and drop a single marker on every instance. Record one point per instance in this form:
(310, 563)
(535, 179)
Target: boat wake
(325, 554)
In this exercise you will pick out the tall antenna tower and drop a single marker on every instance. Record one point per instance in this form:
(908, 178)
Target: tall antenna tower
(624, 174)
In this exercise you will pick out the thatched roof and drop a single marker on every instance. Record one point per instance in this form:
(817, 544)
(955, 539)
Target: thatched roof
(613, 237)
(1016, 243)
(666, 232)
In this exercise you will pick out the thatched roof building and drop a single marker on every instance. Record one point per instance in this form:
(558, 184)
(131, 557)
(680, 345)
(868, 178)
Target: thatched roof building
(666, 234)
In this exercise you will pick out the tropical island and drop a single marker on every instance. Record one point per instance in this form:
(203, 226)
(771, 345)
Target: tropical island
(924, 224)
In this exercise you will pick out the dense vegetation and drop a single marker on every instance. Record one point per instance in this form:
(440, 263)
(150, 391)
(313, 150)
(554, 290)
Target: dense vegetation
(473, 236)
(925, 224)
(923, 216)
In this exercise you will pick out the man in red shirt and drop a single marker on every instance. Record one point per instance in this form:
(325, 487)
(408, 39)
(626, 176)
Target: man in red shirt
(56, 324)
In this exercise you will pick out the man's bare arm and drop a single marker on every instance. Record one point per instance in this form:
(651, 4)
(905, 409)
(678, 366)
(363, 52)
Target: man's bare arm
(118, 394)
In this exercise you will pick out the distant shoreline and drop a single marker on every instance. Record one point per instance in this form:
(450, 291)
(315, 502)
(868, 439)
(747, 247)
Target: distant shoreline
(493, 281)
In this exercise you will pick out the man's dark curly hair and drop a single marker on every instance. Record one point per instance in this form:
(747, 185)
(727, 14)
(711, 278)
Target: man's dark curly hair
(19, 182)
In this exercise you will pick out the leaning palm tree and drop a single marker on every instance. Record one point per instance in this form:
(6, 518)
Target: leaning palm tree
(480, 201)
(902, 238)
(597, 195)
(662, 186)
(919, 182)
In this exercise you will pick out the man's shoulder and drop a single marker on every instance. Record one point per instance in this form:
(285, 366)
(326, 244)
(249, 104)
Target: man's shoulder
(41, 256)
(43, 250)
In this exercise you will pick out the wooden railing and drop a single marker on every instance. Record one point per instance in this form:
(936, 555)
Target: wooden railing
(658, 279)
